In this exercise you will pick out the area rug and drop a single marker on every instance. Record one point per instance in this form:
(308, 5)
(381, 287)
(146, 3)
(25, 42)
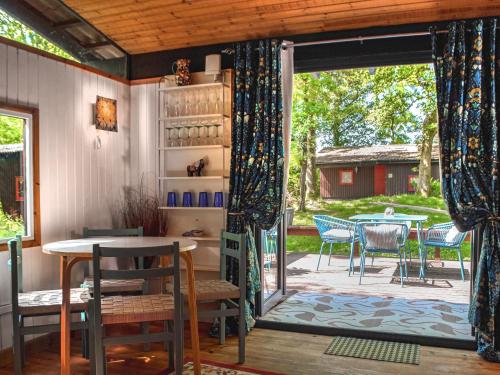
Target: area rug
(388, 351)
(431, 318)
(219, 368)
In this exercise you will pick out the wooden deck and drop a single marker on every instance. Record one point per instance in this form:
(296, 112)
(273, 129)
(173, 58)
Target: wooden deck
(283, 352)
(382, 280)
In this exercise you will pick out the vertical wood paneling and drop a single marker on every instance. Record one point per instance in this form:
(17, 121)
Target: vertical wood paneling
(78, 183)
(144, 101)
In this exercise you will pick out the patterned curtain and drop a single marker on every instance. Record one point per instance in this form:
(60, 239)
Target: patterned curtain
(468, 131)
(256, 179)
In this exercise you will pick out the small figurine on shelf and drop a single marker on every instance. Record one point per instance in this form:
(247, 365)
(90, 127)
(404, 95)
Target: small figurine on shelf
(196, 168)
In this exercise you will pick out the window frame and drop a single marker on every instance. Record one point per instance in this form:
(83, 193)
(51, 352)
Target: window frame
(33, 189)
(346, 170)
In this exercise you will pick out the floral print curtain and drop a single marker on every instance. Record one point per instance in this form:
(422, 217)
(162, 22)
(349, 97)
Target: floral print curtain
(257, 164)
(468, 131)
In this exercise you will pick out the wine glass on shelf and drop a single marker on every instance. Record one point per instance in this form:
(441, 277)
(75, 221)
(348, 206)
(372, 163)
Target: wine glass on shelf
(219, 134)
(193, 134)
(176, 101)
(187, 104)
(174, 137)
(218, 100)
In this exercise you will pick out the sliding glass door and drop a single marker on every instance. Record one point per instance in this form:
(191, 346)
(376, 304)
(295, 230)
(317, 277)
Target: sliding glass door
(272, 254)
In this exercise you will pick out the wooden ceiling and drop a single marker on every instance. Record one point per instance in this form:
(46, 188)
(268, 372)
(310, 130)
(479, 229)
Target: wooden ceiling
(140, 26)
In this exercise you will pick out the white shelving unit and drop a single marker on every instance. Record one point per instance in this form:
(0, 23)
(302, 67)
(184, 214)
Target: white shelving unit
(174, 155)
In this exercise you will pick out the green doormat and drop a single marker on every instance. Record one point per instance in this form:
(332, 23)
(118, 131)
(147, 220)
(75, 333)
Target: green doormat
(388, 351)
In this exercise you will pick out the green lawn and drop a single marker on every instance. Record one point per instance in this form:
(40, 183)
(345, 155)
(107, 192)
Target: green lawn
(346, 208)
(9, 226)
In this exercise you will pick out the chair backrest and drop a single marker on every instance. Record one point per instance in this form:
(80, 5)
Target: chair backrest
(113, 232)
(100, 252)
(446, 233)
(382, 236)
(233, 245)
(16, 269)
(122, 232)
(325, 223)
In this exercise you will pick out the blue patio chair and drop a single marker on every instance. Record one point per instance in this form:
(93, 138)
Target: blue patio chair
(334, 230)
(445, 235)
(383, 237)
(270, 247)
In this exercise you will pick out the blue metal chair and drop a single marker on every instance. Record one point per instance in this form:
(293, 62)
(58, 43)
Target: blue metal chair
(445, 235)
(270, 247)
(383, 237)
(334, 230)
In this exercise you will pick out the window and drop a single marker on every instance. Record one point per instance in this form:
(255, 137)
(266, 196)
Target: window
(346, 177)
(19, 193)
(412, 182)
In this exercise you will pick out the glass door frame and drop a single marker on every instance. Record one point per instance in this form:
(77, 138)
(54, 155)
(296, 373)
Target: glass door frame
(265, 304)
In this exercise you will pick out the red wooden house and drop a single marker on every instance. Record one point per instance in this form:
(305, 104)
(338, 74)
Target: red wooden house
(356, 172)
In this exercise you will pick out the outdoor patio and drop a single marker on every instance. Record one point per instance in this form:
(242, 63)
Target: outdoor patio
(434, 307)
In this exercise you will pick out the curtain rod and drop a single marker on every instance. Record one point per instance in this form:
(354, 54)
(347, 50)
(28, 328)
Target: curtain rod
(360, 39)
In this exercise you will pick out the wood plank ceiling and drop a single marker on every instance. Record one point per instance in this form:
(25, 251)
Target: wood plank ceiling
(140, 26)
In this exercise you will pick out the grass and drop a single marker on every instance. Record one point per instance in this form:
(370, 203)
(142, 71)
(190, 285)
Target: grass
(345, 208)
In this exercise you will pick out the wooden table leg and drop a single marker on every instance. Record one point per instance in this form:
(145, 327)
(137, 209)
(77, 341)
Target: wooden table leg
(193, 311)
(66, 266)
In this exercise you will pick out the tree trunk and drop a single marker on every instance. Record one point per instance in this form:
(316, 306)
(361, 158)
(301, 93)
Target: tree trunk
(311, 191)
(429, 130)
(303, 172)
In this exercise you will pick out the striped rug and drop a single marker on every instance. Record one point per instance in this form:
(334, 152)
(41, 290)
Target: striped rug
(388, 351)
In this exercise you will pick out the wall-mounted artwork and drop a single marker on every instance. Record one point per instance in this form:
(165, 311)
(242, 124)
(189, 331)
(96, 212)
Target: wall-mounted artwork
(105, 114)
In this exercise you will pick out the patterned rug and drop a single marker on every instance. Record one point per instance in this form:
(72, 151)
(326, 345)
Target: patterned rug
(388, 351)
(218, 368)
(431, 318)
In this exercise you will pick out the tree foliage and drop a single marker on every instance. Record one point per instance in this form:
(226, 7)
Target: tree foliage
(11, 130)
(12, 29)
(360, 107)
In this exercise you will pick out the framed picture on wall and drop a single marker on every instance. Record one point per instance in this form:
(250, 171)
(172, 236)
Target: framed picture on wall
(105, 114)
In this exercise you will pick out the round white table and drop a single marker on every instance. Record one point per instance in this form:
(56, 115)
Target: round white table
(73, 251)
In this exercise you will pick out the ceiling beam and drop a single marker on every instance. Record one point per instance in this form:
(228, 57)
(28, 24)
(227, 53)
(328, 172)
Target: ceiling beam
(97, 45)
(67, 24)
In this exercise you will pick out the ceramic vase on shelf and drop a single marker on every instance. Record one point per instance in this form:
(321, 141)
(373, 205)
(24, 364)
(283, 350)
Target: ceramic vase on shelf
(181, 70)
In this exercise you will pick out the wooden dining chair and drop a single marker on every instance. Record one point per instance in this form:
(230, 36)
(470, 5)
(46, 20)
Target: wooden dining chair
(43, 303)
(136, 286)
(104, 311)
(224, 292)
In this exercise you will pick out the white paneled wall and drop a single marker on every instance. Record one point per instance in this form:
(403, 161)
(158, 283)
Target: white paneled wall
(79, 183)
(144, 101)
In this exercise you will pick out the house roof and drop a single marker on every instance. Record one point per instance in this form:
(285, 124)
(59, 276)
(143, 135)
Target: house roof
(11, 148)
(372, 154)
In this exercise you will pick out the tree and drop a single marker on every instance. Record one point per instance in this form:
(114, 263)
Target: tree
(11, 130)
(12, 29)
(359, 107)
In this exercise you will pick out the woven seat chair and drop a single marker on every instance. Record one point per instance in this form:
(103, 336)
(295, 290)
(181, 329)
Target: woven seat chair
(224, 292)
(37, 303)
(334, 230)
(127, 309)
(383, 237)
(115, 286)
(445, 235)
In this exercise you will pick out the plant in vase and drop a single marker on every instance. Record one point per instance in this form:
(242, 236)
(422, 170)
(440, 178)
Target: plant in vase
(140, 208)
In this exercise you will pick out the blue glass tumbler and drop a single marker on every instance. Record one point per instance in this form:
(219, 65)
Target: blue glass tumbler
(172, 199)
(187, 199)
(218, 199)
(203, 199)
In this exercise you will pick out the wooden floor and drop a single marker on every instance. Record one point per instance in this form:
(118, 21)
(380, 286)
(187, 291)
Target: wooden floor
(284, 352)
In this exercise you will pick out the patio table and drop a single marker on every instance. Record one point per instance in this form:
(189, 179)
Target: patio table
(73, 251)
(417, 219)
